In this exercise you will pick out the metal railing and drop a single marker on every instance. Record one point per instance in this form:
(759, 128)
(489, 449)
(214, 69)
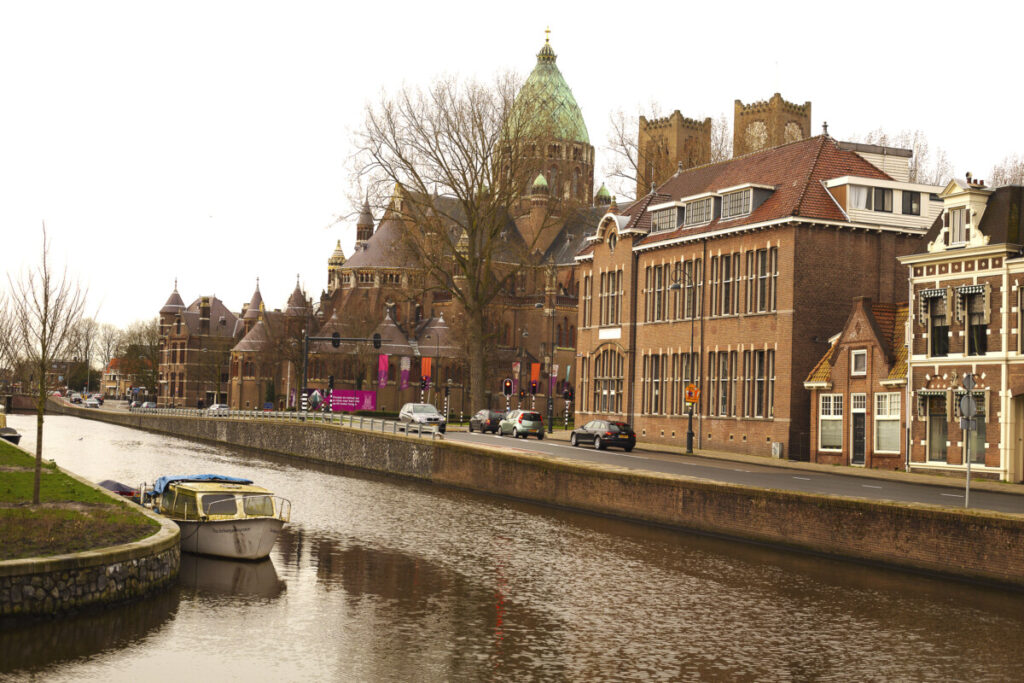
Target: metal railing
(373, 424)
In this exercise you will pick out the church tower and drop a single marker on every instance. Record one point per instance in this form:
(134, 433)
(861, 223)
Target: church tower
(763, 125)
(364, 226)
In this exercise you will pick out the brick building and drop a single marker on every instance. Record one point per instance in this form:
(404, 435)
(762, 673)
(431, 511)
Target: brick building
(748, 259)
(858, 390)
(967, 283)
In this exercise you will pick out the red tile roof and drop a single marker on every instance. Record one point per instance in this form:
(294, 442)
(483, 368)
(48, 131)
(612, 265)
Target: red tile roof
(796, 170)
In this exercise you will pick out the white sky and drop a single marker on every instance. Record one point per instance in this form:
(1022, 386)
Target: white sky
(208, 140)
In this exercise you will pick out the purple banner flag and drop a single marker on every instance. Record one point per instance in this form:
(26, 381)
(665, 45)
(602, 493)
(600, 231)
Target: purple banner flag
(348, 400)
(382, 370)
(552, 378)
(406, 366)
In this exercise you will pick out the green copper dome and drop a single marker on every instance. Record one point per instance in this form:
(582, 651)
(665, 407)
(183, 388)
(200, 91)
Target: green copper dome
(540, 182)
(546, 90)
(603, 193)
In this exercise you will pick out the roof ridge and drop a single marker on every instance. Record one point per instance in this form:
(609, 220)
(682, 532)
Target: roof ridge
(810, 174)
(736, 158)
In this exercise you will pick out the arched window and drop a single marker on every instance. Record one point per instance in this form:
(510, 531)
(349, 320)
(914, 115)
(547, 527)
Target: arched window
(558, 336)
(553, 180)
(576, 183)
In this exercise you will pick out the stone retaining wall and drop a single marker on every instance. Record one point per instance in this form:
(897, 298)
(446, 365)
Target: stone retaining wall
(974, 544)
(48, 585)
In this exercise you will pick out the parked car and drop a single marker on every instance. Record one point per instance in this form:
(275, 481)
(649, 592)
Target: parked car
(604, 433)
(422, 414)
(218, 409)
(522, 423)
(485, 420)
(91, 403)
(98, 397)
(134, 404)
(76, 398)
(148, 404)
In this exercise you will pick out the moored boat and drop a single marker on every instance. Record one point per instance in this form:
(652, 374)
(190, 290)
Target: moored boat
(220, 516)
(9, 434)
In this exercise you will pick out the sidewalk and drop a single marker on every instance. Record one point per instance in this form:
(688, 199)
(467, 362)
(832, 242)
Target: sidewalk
(668, 452)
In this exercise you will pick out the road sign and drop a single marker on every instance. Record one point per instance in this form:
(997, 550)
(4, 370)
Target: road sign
(968, 423)
(968, 381)
(692, 393)
(968, 406)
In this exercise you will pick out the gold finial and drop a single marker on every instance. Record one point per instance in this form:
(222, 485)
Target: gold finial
(547, 35)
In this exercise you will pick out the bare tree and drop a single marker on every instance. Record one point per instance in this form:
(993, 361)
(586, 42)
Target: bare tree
(929, 165)
(451, 163)
(721, 139)
(108, 343)
(141, 353)
(45, 308)
(83, 346)
(1009, 171)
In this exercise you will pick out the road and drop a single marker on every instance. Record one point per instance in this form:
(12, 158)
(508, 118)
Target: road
(763, 476)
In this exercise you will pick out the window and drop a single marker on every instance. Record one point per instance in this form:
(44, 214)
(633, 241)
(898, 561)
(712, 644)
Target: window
(762, 279)
(887, 422)
(654, 403)
(727, 289)
(699, 211)
(736, 204)
(860, 197)
(587, 289)
(883, 199)
(938, 333)
(663, 219)
(957, 223)
(976, 440)
(858, 362)
(723, 384)
(911, 203)
(659, 294)
(938, 422)
(977, 325)
(714, 286)
(830, 422)
(608, 378)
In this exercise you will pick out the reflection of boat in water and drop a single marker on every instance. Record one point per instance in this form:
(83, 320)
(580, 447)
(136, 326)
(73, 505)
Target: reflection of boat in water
(222, 516)
(230, 577)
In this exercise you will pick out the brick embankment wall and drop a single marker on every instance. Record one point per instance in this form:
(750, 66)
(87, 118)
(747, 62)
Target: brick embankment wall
(978, 545)
(37, 586)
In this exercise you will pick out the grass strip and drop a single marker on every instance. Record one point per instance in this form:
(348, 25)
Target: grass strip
(72, 517)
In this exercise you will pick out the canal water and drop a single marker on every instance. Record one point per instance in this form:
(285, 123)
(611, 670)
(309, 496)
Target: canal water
(377, 579)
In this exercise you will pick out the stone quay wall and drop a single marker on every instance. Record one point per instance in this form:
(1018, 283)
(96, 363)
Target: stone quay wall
(973, 544)
(40, 586)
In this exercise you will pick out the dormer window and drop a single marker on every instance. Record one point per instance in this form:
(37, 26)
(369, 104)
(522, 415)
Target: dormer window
(736, 204)
(871, 198)
(613, 239)
(957, 221)
(663, 219)
(911, 203)
(700, 211)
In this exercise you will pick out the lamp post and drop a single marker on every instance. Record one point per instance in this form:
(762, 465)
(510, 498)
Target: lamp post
(551, 360)
(522, 353)
(678, 277)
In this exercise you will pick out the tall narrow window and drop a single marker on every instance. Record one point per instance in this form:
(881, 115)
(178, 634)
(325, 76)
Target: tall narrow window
(734, 381)
(689, 302)
(659, 295)
(726, 285)
(723, 383)
(748, 406)
(759, 383)
(939, 331)
(887, 422)
(957, 226)
(714, 286)
(977, 337)
(762, 279)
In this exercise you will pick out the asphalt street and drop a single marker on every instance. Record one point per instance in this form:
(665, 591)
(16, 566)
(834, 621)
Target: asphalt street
(763, 476)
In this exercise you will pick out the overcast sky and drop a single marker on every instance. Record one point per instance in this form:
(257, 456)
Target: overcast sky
(208, 141)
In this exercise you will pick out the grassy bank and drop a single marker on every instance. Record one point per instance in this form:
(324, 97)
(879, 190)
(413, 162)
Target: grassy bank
(71, 516)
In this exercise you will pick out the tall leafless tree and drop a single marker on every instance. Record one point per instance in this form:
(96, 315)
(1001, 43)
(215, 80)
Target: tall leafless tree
(45, 306)
(451, 162)
(1009, 171)
(930, 165)
(109, 342)
(141, 353)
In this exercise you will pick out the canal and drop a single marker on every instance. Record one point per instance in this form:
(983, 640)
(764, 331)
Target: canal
(378, 579)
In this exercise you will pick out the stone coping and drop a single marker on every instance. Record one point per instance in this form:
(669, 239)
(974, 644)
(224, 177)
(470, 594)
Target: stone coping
(166, 537)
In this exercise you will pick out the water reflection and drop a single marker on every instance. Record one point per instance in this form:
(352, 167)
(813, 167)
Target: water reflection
(385, 580)
(218, 576)
(38, 644)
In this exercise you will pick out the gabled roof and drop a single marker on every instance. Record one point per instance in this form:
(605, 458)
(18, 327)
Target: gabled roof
(889, 321)
(796, 171)
(218, 312)
(259, 337)
(1003, 220)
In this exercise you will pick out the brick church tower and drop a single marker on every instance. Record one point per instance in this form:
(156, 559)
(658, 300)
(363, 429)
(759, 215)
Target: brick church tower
(664, 144)
(763, 125)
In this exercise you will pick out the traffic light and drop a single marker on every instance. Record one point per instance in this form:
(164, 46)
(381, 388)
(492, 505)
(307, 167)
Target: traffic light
(522, 394)
(330, 382)
(376, 340)
(506, 387)
(447, 390)
(567, 394)
(423, 383)
(533, 387)
(335, 340)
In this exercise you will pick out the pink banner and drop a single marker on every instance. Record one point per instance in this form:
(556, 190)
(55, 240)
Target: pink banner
(382, 370)
(406, 366)
(552, 378)
(348, 400)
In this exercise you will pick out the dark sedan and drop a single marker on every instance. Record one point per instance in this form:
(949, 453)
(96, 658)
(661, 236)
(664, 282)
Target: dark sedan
(485, 421)
(604, 433)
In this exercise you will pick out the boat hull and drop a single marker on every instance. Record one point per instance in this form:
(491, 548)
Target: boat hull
(239, 539)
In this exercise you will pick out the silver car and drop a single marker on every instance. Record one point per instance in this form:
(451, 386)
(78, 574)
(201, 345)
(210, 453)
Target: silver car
(422, 414)
(522, 423)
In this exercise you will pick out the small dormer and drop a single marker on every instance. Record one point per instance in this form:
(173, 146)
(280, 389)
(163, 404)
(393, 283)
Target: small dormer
(666, 216)
(963, 205)
(743, 200)
(881, 201)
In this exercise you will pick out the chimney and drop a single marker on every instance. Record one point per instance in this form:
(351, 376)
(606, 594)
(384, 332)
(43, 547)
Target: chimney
(204, 315)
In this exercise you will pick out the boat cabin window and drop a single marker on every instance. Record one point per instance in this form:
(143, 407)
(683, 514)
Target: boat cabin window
(183, 504)
(219, 504)
(258, 504)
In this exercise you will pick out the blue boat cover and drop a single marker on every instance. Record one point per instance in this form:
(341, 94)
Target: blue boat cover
(162, 482)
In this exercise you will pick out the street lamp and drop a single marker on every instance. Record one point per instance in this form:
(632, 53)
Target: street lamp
(678, 276)
(551, 360)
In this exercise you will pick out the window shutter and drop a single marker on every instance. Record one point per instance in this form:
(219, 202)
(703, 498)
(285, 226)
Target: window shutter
(967, 216)
(950, 397)
(945, 218)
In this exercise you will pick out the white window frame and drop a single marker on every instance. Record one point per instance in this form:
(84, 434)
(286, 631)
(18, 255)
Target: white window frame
(858, 354)
(830, 409)
(958, 233)
(736, 204)
(887, 409)
(699, 212)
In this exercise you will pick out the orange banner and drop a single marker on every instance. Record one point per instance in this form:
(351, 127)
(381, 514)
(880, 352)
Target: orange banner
(535, 372)
(425, 367)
